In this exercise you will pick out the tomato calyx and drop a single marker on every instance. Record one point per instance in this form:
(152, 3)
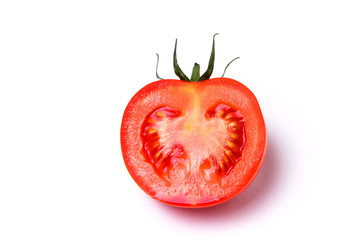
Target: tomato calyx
(195, 75)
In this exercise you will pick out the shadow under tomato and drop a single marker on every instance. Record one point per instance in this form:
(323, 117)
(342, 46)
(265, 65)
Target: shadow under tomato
(246, 202)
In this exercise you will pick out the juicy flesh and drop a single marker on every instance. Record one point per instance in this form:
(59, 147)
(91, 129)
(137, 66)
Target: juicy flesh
(206, 144)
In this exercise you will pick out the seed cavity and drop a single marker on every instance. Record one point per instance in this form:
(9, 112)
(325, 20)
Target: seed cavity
(162, 158)
(234, 144)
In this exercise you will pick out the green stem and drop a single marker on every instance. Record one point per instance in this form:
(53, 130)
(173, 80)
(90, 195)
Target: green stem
(195, 73)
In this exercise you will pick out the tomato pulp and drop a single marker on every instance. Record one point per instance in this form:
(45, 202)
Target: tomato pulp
(193, 142)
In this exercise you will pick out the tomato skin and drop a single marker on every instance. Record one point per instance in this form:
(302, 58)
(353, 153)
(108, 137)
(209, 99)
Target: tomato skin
(181, 94)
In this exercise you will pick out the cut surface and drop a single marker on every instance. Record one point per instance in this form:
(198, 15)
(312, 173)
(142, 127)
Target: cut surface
(193, 144)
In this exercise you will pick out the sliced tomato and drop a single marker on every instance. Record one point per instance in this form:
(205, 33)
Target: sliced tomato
(193, 144)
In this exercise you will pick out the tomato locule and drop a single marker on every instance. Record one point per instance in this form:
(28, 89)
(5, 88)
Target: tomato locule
(193, 142)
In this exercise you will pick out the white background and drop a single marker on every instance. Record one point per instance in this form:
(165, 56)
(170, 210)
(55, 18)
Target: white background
(68, 69)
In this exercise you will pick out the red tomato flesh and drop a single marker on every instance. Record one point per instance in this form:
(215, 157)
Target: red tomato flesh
(193, 144)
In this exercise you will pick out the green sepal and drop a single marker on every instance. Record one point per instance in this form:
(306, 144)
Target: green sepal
(177, 68)
(208, 72)
(228, 65)
(157, 64)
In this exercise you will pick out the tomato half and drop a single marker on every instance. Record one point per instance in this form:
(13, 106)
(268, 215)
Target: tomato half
(193, 144)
